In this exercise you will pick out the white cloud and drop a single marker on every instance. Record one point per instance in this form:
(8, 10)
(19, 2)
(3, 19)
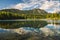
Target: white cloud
(53, 5)
(42, 4)
(47, 5)
(19, 6)
(56, 11)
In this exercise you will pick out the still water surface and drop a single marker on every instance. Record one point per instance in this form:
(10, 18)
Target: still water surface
(50, 26)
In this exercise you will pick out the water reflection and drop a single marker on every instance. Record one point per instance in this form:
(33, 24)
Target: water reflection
(53, 26)
(50, 32)
(50, 26)
(18, 24)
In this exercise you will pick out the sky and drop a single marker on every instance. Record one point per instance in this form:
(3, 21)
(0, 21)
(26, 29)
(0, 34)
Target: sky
(47, 5)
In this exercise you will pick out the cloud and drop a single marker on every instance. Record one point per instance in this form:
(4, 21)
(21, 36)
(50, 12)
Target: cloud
(41, 4)
(53, 5)
(19, 6)
(27, 5)
(47, 5)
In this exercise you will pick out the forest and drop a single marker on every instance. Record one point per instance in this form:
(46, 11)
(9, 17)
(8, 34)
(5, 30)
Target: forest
(10, 14)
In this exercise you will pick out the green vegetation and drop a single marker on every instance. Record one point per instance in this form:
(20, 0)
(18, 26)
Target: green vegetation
(12, 14)
(7, 14)
(55, 16)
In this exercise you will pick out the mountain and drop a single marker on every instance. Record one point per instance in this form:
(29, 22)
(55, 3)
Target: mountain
(26, 14)
(33, 11)
(22, 14)
(14, 14)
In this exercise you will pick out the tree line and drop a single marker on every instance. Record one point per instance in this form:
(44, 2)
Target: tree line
(11, 15)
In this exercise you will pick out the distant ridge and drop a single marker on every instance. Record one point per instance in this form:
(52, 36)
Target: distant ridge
(7, 14)
(33, 11)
